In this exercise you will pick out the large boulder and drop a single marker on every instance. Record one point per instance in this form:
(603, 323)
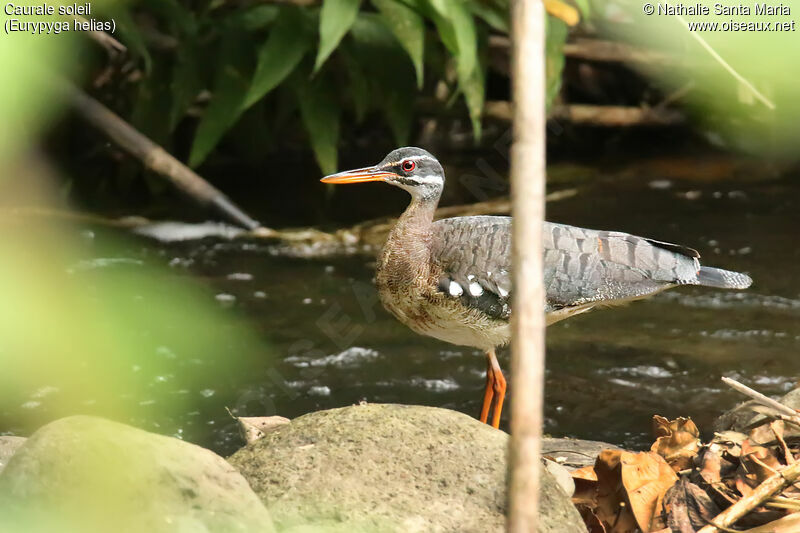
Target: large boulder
(90, 475)
(390, 468)
(8, 447)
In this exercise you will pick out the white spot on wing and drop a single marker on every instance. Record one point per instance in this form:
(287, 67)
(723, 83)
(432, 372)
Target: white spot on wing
(475, 289)
(455, 289)
(502, 291)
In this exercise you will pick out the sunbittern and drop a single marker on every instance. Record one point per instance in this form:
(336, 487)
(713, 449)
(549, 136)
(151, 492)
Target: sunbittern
(451, 279)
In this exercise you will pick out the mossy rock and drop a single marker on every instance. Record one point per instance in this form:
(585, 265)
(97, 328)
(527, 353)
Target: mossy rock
(390, 468)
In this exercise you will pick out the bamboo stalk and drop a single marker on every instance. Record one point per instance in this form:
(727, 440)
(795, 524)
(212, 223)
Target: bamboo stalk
(527, 321)
(153, 156)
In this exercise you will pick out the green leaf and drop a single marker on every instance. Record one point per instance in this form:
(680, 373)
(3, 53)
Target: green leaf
(461, 33)
(397, 108)
(284, 48)
(495, 16)
(254, 18)
(230, 88)
(358, 86)
(173, 12)
(409, 28)
(153, 103)
(320, 113)
(584, 7)
(472, 87)
(186, 81)
(389, 75)
(556, 30)
(335, 19)
(129, 34)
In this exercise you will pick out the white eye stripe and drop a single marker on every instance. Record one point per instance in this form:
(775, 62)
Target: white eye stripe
(410, 158)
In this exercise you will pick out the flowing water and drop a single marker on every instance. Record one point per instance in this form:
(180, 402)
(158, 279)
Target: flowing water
(608, 371)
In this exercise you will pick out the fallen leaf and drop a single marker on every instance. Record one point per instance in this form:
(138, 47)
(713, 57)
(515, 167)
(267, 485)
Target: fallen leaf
(688, 507)
(613, 509)
(711, 464)
(677, 441)
(646, 477)
(253, 428)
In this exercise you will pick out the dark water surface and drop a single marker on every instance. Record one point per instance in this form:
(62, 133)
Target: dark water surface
(608, 371)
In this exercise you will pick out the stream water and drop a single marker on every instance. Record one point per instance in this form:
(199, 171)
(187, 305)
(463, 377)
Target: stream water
(608, 371)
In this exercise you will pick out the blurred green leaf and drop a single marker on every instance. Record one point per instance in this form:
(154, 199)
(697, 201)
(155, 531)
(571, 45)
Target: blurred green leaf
(472, 86)
(285, 47)
(388, 74)
(254, 18)
(554, 50)
(358, 86)
(230, 88)
(584, 6)
(186, 82)
(496, 16)
(456, 15)
(409, 28)
(130, 35)
(152, 104)
(174, 13)
(335, 19)
(320, 113)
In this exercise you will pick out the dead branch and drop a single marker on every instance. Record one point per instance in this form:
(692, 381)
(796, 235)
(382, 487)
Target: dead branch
(595, 50)
(771, 486)
(153, 156)
(594, 115)
(761, 399)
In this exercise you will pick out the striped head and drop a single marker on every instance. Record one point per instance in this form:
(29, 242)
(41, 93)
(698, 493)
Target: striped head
(409, 168)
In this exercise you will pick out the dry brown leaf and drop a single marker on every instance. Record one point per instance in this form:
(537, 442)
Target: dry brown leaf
(593, 524)
(613, 509)
(253, 428)
(646, 476)
(688, 507)
(585, 487)
(711, 464)
(677, 441)
(586, 473)
(758, 462)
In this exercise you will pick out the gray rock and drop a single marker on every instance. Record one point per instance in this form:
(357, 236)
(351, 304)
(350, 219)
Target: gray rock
(9, 446)
(742, 415)
(574, 453)
(91, 475)
(390, 468)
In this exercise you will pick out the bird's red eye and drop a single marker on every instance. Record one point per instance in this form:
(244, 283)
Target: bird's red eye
(408, 165)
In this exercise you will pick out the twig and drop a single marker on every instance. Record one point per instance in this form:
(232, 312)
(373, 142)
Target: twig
(153, 156)
(761, 399)
(772, 485)
(697, 37)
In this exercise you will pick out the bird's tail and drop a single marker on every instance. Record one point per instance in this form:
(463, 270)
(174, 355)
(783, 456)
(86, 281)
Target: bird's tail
(723, 279)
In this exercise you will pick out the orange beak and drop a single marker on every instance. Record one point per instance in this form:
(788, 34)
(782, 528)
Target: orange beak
(359, 175)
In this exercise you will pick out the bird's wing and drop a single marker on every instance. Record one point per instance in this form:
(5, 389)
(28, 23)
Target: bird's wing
(474, 254)
(581, 266)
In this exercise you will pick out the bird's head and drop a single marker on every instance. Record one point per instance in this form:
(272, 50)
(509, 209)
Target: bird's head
(409, 168)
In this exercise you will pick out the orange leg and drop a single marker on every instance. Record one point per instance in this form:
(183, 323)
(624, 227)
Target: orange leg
(495, 392)
(488, 393)
(499, 390)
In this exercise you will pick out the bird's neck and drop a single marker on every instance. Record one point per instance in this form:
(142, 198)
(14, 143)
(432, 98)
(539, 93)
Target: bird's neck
(408, 247)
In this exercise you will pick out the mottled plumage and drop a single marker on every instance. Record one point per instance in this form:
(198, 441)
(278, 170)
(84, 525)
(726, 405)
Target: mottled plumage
(451, 279)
